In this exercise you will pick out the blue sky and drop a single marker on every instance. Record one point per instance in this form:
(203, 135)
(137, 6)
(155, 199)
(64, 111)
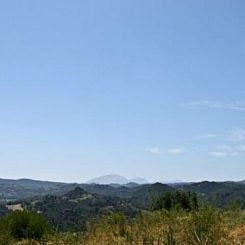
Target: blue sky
(139, 88)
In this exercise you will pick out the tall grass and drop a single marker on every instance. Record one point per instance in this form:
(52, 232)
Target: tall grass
(206, 226)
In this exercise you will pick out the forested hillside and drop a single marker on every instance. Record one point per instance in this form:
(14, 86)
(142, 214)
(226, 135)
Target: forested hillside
(68, 207)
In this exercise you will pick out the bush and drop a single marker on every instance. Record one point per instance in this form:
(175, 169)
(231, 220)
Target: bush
(25, 225)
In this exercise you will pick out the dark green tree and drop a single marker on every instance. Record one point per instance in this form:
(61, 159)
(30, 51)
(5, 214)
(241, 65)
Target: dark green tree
(26, 225)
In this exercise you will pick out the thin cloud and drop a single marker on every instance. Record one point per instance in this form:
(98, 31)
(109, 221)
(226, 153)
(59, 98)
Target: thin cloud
(237, 135)
(205, 136)
(154, 150)
(218, 154)
(230, 105)
(176, 151)
(226, 151)
(226, 148)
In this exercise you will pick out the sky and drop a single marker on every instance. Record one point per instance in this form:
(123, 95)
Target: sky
(152, 89)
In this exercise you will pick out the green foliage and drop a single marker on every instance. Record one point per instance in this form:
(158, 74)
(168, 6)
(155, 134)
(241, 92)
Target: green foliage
(25, 225)
(234, 205)
(144, 195)
(71, 211)
(176, 200)
(218, 193)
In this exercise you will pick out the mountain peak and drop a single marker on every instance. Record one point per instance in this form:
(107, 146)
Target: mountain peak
(109, 179)
(115, 179)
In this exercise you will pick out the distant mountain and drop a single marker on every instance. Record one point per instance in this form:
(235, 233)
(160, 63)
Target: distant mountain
(140, 181)
(29, 183)
(219, 193)
(109, 179)
(173, 182)
(11, 189)
(115, 179)
(131, 185)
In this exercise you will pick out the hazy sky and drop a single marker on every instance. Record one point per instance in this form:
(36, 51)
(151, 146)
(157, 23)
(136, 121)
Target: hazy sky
(154, 89)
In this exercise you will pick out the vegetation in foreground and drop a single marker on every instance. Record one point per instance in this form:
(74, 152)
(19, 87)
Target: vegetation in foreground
(205, 225)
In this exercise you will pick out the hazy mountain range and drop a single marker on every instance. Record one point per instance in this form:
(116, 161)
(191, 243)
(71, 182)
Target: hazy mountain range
(115, 179)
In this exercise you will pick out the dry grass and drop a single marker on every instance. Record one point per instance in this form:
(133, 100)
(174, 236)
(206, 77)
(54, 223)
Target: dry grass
(207, 227)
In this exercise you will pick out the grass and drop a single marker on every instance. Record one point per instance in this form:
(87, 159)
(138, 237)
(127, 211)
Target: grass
(207, 226)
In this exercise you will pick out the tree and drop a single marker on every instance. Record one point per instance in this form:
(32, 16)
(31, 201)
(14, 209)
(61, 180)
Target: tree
(26, 225)
(176, 200)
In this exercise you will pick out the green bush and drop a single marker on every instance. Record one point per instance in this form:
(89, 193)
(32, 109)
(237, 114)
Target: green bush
(25, 225)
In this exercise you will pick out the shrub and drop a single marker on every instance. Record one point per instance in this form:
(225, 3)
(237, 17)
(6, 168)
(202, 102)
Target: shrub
(25, 225)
